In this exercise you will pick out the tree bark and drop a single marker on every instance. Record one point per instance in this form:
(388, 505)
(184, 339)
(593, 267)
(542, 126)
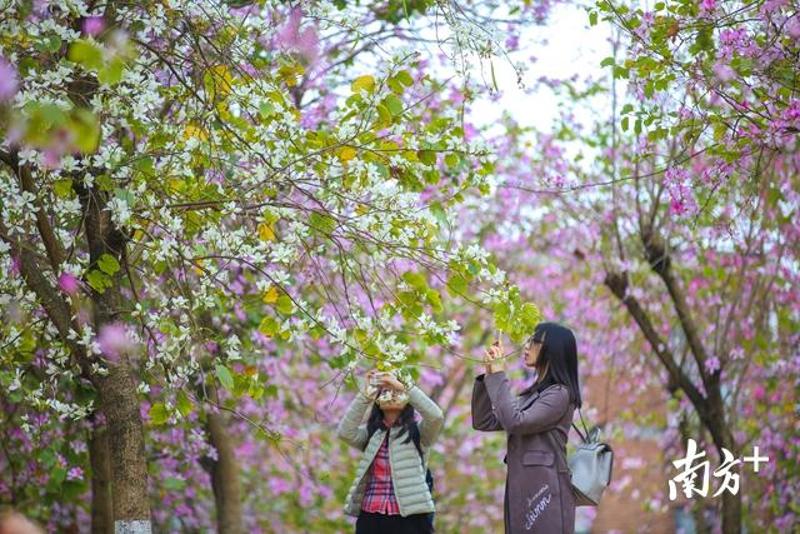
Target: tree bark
(118, 397)
(102, 507)
(225, 477)
(711, 406)
(715, 419)
(120, 405)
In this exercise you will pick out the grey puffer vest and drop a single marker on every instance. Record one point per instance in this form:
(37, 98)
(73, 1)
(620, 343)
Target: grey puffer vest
(408, 468)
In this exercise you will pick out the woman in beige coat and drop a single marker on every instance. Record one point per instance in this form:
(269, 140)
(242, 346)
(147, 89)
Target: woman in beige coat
(538, 496)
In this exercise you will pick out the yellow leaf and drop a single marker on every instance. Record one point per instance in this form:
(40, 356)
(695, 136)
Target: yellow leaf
(265, 232)
(192, 130)
(270, 295)
(364, 82)
(347, 153)
(222, 79)
(176, 185)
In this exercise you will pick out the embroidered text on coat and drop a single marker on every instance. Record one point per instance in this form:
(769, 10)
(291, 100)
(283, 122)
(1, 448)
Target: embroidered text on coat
(535, 508)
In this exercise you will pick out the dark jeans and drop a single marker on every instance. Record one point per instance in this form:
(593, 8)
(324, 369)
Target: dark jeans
(369, 523)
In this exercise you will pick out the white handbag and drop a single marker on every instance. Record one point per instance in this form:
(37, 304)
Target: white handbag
(590, 466)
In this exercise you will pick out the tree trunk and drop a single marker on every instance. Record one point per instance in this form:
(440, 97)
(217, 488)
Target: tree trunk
(731, 512)
(731, 504)
(102, 508)
(120, 404)
(225, 477)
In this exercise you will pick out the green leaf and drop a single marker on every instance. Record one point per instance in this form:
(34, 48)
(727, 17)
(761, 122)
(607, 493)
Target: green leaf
(395, 86)
(158, 413)
(86, 53)
(363, 82)
(50, 43)
(322, 223)
(620, 72)
(607, 62)
(111, 73)
(393, 104)
(63, 188)
(240, 385)
(624, 124)
(225, 377)
(269, 326)
(98, 280)
(435, 300)
(104, 182)
(593, 18)
(108, 264)
(86, 130)
(531, 315)
(457, 285)
(316, 333)
(183, 403)
(266, 109)
(428, 157)
(174, 484)
(284, 304)
(405, 78)
(416, 280)
(384, 114)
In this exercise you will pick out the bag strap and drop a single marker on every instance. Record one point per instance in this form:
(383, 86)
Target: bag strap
(584, 438)
(584, 435)
(558, 450)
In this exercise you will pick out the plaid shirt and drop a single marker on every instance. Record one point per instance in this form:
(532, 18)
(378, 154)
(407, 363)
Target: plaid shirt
(379, 495)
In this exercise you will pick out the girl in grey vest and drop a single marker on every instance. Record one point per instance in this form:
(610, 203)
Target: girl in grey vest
(390, 493)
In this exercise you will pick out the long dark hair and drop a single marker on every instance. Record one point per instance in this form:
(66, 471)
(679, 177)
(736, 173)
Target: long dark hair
(559, 350)
(405, 419)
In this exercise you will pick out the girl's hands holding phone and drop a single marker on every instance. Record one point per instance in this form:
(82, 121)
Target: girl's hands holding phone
(377, 381)
(372, 388)
(389, 381)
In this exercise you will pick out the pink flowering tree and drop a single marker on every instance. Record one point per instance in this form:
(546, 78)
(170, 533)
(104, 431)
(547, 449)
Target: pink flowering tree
(190, 192)
(674, 219)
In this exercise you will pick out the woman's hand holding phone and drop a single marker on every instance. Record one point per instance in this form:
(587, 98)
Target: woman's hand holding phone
(494, 357)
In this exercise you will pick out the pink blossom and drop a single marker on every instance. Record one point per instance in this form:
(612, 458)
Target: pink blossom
(278, 486)
(9, 81)
(75, 473)
(712, 364)
(68, 283)
(793, 27)
(93, 26)
(305, 43)
(306, 495)
(114, 340)
(708, 6)
(723, 71)
(512, 42)
(678, 185)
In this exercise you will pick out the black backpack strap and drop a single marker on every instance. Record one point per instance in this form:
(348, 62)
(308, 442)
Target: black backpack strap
(428, 474)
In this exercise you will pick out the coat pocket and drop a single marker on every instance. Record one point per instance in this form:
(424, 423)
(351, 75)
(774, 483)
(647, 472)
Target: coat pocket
(536, 457)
